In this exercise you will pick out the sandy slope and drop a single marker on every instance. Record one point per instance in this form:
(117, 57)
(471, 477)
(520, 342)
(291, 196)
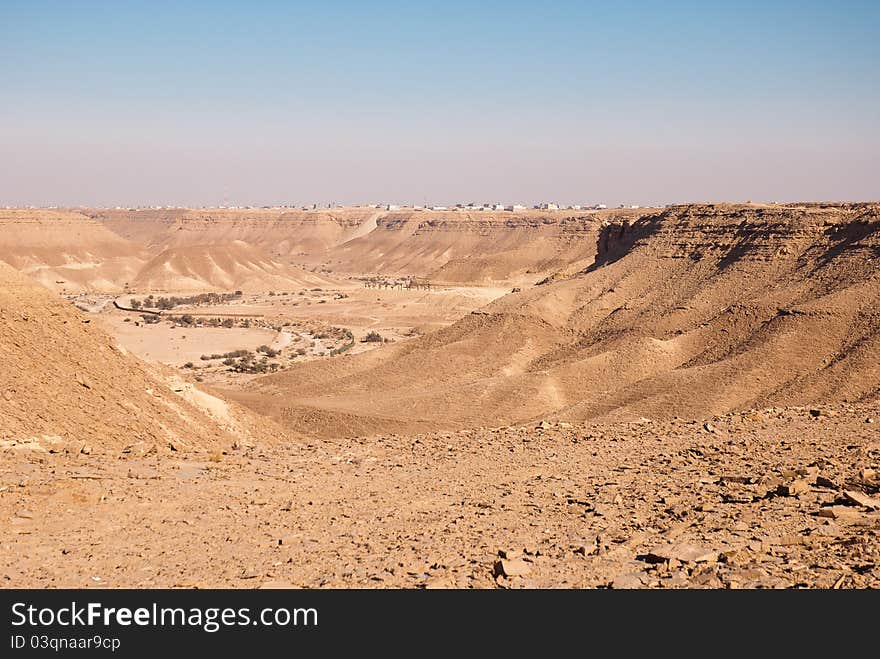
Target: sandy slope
(464, 247)
(469, 247)
(69, 252)
(65, 250)
(111, 470)
(65, 385)
(694, 311)
(222, 267)
(279, 232)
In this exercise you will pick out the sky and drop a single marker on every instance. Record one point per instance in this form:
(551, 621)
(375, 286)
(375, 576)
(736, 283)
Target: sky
(267, 103)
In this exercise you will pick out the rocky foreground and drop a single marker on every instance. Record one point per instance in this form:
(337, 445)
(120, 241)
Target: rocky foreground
(779, 498)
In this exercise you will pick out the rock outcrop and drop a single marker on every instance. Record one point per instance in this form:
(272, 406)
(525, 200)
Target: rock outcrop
(693, 311)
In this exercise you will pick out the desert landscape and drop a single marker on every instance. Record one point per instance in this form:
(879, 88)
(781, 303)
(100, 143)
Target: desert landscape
(685, 396)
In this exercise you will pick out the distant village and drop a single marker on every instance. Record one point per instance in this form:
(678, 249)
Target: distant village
(544, 206)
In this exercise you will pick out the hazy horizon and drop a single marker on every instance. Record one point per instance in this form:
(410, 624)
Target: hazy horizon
(228, 103)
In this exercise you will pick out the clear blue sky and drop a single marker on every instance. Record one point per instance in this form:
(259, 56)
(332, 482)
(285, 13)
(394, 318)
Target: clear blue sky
(194, 103)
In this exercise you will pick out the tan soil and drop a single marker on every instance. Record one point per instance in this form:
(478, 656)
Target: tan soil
(65, 385)
(693, 311)
(225, 267)
(688, 398)
(464, 247)
(177, 345)
(586, 506)
(67, 252)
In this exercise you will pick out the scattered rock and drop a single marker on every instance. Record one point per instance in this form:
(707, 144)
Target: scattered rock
(771, 482)
(439, 582)
(797, 486)
(742, 480)
(861, 499)
(788, 541)
(510, 554)
(708, 579)
(589, 546)
(628, 581)
(828, 530)
(737, 497)
(810, 473)
(138, 449)
(682, 552)
(731, 555)
(678, 579)
(512, 567)
(838, 512)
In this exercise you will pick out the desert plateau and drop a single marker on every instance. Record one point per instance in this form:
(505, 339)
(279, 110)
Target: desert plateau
(685, 396)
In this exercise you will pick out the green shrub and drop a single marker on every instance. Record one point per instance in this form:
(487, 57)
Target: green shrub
(269, 352)
(372, 337)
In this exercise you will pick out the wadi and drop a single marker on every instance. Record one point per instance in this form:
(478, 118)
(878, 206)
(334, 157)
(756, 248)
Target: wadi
(358, 397)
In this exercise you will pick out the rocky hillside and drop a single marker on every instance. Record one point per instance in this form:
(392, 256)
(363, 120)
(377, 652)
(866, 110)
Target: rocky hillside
(693, 311)
(448, 246)
(66, 251)
(776, 498)
(221, 267)
(279, 232)
(66, 386)
(465, 247)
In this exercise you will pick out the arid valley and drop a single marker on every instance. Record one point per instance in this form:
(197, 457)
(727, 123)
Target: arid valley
(676, 397)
